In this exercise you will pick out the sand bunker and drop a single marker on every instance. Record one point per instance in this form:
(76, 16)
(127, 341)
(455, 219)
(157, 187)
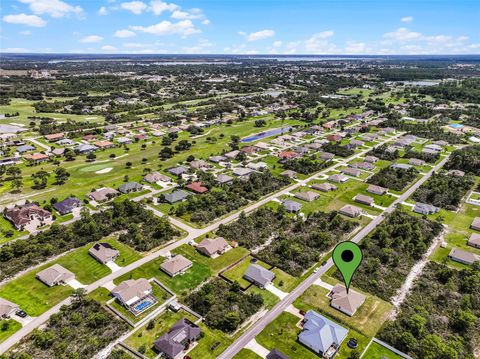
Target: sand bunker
(105, 170)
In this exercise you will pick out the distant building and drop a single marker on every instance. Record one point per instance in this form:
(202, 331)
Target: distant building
(155, 177)
(324, 187)
(176, 196)
(307, 196)
(366, 200)
(103, 194)
(292, 206)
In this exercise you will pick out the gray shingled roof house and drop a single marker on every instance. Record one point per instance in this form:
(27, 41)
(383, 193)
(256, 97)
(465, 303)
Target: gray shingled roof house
(7, 308)
(292, 206)
(223, 178)
(130, 187)
(177, 339)
(176, 196)
(321, 335)
(55, 275)
(258, 275)
(176, 265)
(425, 208)
(307, 196)
(361, 198)
(350, 211)
(461, 256)
(178, 171)
(373, 188)
(475, 224)
(474, 240)
(103, 252)
(67, 205)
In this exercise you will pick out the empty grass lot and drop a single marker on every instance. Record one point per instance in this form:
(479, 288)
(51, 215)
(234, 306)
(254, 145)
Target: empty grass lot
(12, 326)
(368, 319)
(377, 351)
(246, 354)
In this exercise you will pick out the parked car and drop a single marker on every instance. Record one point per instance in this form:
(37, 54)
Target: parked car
(21, 314)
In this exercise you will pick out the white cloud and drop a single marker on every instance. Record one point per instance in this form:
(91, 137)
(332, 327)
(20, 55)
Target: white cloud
(192, 14)
(108, 48)
(206, 22)
(319, 43)
(406, 19)
(91, 39)
(354, 47)
(402, 34)
(158, 7)
(201, 48)
(103, 11)
(124, 33)
(277, 44)
(23, 19)
(15, 50)
(135, 7)
(258, 35)
(26, 32)
(184, 28)
(54, 8)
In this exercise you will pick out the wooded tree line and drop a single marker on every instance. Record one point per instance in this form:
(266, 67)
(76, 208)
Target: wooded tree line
(390, 252)
(150, 231)
(440, 317)
(305, 165)
(432, 130)
(79, 330)
(223, 305)
(466, 159)
(394, 178)
(445, 191)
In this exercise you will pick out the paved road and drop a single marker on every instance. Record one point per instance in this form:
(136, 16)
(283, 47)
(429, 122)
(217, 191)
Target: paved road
(255, 329)
(192, 234)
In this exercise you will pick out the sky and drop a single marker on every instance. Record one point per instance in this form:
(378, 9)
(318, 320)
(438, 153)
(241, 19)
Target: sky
(241, 26)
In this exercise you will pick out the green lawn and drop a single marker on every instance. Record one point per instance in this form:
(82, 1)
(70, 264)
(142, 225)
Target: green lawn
(215, 264)
(246, 354)
(180, 284)
(377, 351)
(207, 346)
(6, 226)
(11, 326)
(368, 319)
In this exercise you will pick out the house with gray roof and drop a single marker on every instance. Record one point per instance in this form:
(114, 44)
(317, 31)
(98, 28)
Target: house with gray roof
(178, 338)
(373, 188)
(103, 252)
(67, 205)
(178, 171)
(217, 159)
(321, 335)
(86, 148)
(25, 148)
(350, 211)
(425, 208)
(224, 179)
(461, 256)
(476, 224)
(130, 187)
(307, 196)
(366, 200)
(351, 172)
(401, 166)
(292, 206)
(55, 275)
(474, 240)
(242, 172)
(258, 275)
(176, 196)
(338, 178)
(276, 354)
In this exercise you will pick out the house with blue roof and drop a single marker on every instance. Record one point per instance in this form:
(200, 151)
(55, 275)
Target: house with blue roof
(321, 335)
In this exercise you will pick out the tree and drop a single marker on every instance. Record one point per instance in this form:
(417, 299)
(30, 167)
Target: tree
(17, 184)
(40, 179)
(128, 164)
(166, 153)
(61, 175)
(91, 157)
(14, 172)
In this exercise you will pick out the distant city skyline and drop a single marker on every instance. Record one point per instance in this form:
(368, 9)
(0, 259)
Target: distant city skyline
(240, 27)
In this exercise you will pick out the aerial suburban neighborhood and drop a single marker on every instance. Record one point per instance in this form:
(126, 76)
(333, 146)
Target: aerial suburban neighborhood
(188, 206)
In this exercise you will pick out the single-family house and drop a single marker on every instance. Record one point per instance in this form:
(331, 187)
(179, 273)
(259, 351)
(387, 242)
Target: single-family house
(289, 174)
(288, 155)
(67, 205)
(175, 196)
(456, 173)
(307, 196)
(291, 206)
(7, 308)
(200, 165)
(55, 275)
(347, 303)
(474, 240)
(366, 200)
(176, 265)
(258, 275)
(461, 256)
(321, 335)
(28, 214)
(178, 338)
(25, 148)
(476, 224)
(373, 188)
(213, 246)
(371, 159)
(104, 144)
(276, 354)
(103, 194)
(217, 159)
(155, 177)
(178, 171)
(224, 179)
(324, 187)
(130, 187)
(351, 171)
(350, 211)
(54, 137)
(416, 162)
(86, 148)
(425, 208)
(327, 156)
(36, 157)
(338, 178)
(197, 187)
(132, 292)
(242, 172)
(256, 166)
(103, 252)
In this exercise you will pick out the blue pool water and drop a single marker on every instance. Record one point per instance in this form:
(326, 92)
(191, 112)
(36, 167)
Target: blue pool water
(456, 125)
(143, 305)
(273, 132)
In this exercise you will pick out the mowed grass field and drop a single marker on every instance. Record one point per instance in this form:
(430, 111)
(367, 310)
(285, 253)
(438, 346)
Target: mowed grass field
(11, 326)
(35, 297)
(376, 351)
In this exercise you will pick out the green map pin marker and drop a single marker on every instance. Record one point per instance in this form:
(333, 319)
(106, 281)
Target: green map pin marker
(347, 257)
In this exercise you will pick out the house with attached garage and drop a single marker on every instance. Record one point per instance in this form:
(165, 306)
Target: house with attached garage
(425, 208)
(135, 295)
(130, 187)
(176, 265)
(212, 247)
(292, 206)
(474, 240)
(347, 303)
(174, 197)
(7, 308)
(155, 177)
(28, 215)
(373, 188)
(324, 187)
(103, 194)
(179, 338)
(461, 256)
(307, 196)
(55, 275)
(67, 205)
(476, 224)
(366, 200)
(350, 211)
(258, 275)
(103, 252)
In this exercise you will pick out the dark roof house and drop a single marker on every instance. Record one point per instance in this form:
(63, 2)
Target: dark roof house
(177, 339)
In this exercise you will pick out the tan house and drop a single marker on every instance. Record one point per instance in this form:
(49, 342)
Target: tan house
(155, 177)
(350, 211)
(212, 247)
(476, 224)
(346, 303)
(132, 291)
(307, 196)
(103, 252)
(373, 188)
(7, 308)
(461, 256)
(103, 194)
(176, 265)
(474, 240)
(55, 275)
(324, 187)
(366, 200)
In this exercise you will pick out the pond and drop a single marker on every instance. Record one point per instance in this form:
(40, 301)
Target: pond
(272, 132)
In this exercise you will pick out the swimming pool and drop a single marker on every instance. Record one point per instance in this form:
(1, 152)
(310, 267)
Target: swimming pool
(143, 305)
(456, 125)
(273, 132)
